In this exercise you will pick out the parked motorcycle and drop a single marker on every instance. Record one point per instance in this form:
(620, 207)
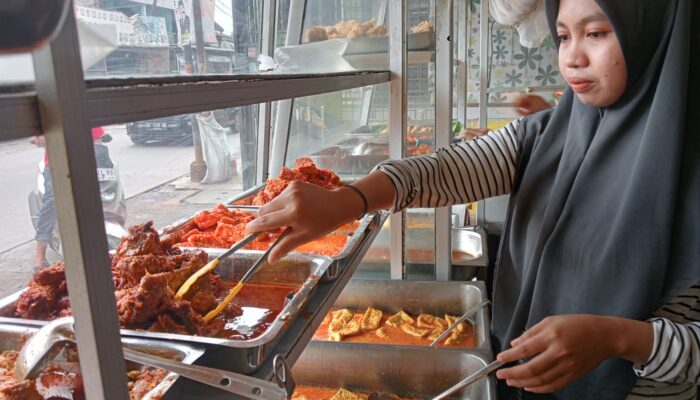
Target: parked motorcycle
(111, 192)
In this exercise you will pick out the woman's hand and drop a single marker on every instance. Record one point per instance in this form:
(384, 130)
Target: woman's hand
(530, 104)
(309, 211)
(561, 349)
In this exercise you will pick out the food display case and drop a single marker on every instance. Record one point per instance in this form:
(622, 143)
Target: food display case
(344, 83)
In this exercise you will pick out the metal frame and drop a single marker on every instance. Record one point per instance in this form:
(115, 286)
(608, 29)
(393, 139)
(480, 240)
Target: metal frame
(398, 106)
(462, 67)
(267, 47)
(127, 100)
(443, 128)
(63, 110)
(368, 94)
(283, 119)
(484, 39)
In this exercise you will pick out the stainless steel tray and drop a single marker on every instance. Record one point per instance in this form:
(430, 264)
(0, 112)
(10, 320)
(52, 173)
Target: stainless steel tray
(368, 222)
(380, 44)
(417, 297)
(245, 355)
(13, 336)
(469, 242)
(404, 371)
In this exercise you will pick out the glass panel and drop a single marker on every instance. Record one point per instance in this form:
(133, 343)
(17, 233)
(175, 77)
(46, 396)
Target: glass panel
(144, 170)
(329, 129)
(15, 70)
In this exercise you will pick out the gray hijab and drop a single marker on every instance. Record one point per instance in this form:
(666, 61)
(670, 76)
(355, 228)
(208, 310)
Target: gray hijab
(605, 213)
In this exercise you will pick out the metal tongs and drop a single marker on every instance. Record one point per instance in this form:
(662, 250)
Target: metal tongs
(47, 342)
(185, 287)
(246, 277)
(483, 372)
(473, 310)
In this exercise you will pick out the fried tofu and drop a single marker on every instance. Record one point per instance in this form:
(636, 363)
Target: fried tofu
(371, 319)
(344, 315)
(454, 338)
(352, 328)
(413, 331)
(451, 320)
(381, 333)
(428, 321)
(400, 318)
(334, 328)
(436, 333)
(344, 394)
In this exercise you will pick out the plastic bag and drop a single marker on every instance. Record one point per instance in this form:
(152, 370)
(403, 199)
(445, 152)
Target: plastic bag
(527, 16)
(216, 148)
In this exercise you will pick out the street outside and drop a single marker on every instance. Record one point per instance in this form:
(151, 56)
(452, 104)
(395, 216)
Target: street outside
(155, 180)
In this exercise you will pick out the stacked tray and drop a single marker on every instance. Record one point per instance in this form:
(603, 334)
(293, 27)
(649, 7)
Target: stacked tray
(13, 336)
(416, 297)
(368, 223)
(409, 372)
(244, 356)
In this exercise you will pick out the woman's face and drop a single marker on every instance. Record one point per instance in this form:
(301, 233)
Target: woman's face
(590, 57)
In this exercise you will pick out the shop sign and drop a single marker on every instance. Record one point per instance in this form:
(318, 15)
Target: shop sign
(137, 31)
(185, 22)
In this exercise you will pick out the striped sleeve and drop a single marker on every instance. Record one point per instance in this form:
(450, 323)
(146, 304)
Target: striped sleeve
(676, 354)
(462, 173)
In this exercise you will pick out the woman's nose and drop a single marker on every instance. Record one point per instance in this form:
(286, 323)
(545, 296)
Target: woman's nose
(575, 55)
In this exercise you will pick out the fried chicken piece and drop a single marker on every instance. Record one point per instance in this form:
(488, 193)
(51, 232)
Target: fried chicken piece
(144, 380)
(38, 302)
(142, 239)
(55, 276)
(128, 271)
(371, 319)
(140, 305)
(22, 390)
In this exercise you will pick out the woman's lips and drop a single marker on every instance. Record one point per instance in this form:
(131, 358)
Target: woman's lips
(579, 85)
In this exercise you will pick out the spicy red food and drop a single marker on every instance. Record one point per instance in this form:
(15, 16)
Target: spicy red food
(304, 171)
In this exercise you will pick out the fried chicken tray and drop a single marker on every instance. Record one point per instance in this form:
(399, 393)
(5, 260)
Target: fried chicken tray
(222, 226)
(61, 379)
(147, 274)
(387, 370)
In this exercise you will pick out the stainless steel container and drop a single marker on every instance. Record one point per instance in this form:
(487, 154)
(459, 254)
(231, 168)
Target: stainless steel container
(469, 249)
(407, 372)
(380, 44)
(12, 337)
(244, 356)
(368, 223)
(417, 297)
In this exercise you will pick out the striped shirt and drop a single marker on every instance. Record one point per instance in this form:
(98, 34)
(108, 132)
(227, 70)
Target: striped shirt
(485, 167)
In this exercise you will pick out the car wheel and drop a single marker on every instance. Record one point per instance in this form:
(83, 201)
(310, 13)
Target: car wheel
(138, 141)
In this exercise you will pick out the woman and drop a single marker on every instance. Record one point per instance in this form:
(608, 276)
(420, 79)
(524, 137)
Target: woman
(604, 218)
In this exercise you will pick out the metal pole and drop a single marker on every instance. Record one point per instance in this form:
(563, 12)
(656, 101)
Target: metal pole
(462, 67)
(267, 47)
(484, 41)
(398, 106)
(443, 129)
(60, 89)
(283, 120)
(198, 168)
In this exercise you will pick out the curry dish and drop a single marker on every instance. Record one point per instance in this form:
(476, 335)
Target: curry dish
(303, 392)
(146, 273)
(62, 380)
(376, 326)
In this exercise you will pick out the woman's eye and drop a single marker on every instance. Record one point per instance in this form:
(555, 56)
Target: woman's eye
(597, 35)
(562, 38)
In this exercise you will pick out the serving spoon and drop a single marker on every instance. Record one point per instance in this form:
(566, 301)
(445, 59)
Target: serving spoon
(47, 342)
